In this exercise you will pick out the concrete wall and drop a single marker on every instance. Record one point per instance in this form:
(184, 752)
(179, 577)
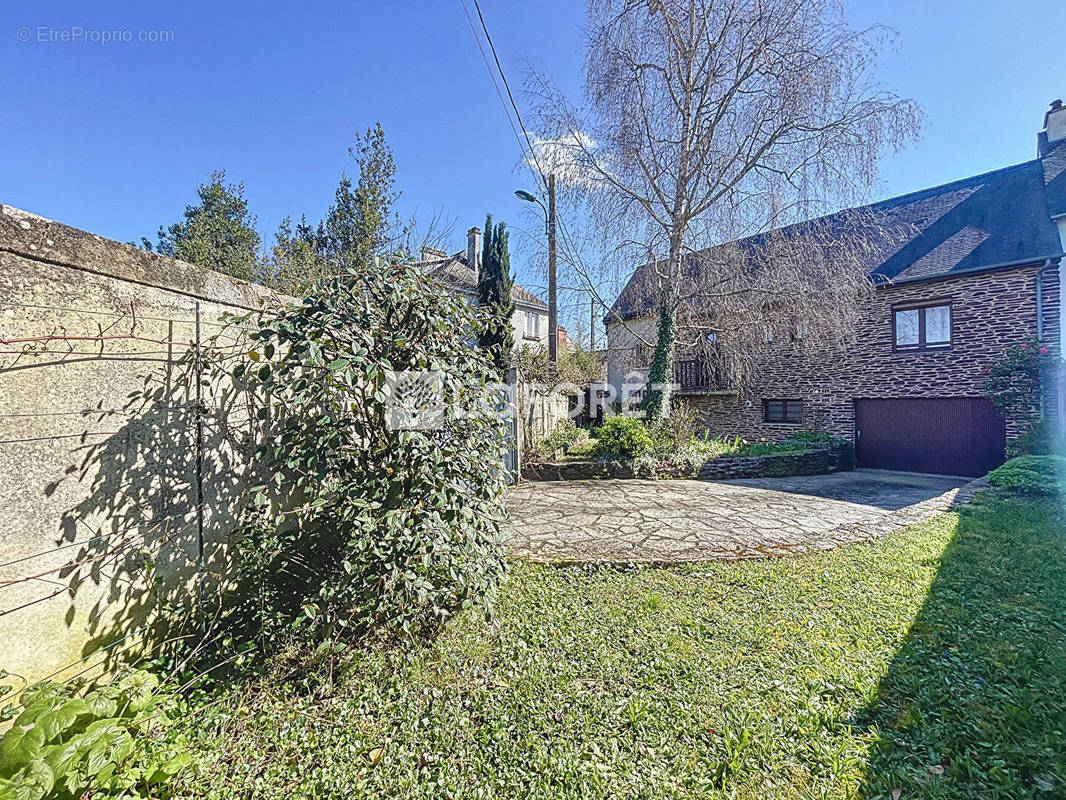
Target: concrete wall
(98, 442)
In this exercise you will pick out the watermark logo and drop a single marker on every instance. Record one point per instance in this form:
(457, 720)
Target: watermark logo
(76, 34)
(422, 400)
(414, 400)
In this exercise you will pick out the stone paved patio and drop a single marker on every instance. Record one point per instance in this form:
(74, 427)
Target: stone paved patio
(685, 520)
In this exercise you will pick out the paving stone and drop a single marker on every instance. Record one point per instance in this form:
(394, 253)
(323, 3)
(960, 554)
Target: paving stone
(687, 520)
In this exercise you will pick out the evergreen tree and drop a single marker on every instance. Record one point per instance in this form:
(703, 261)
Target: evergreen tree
(294, 263)
(217, 233)
(360, 223)
(494, 296)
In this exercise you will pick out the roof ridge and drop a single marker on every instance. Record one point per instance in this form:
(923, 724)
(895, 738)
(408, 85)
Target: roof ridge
(1009, 204)
(877, 204)
(518, 291)
(898, 199)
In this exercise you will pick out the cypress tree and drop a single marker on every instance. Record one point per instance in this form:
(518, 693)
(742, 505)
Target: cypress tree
(494, 296)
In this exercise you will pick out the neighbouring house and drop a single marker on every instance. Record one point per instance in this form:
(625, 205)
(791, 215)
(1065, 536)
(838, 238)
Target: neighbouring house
(460, 272)
(977, 273)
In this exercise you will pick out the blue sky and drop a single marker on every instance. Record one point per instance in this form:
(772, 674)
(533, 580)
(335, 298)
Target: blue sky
(114, 137)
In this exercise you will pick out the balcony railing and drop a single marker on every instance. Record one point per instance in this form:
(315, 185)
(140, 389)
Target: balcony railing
(692, 374)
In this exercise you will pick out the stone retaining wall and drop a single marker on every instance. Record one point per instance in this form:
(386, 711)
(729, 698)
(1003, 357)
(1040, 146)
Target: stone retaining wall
(577, 471)
(814, 461)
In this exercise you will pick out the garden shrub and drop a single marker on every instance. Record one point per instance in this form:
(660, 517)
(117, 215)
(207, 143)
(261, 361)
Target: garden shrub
(683, 458)
(1041, 438)
(667, 447)
(623, 437)
(1030, 475)
(565, 436)
(675, 431)
(70, 741)
(812, 437)
(357, 525)
(663, 442)
(1013, 383)
(768, 448)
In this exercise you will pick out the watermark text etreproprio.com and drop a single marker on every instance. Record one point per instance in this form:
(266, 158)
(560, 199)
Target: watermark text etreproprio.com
(76, 34)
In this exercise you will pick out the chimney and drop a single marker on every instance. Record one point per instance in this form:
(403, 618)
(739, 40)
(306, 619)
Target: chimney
(473, 250)
(1054, 127)
(560, 338)
(432, 253)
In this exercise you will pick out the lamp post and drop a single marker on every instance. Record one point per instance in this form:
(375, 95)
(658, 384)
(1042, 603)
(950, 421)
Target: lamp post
(553, 305)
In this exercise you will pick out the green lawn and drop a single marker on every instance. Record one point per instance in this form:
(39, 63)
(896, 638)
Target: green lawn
(933, 662)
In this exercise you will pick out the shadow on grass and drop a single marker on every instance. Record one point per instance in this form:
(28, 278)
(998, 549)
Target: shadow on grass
(974, 702)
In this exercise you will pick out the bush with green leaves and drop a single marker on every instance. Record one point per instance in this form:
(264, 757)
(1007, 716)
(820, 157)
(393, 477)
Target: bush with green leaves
(1040, 438)
(813, 437)
(1031, 475)
(623, 438)
(358, 525)
(565, 436)
(1013, 383)
(67, 741)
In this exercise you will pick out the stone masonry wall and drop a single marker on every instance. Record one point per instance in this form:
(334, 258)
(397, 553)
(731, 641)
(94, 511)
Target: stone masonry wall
(98, 441)
(816, 460)
(991, 311)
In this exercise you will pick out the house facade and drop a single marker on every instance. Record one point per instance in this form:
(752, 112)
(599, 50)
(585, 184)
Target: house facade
(980, 273)
(460, 272)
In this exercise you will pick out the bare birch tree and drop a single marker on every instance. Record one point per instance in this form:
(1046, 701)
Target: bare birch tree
(707, 120)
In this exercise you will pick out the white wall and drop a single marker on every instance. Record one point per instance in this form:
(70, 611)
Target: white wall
(537, 340)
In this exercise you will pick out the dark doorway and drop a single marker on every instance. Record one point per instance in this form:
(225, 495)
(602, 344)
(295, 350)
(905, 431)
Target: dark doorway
(944, 436)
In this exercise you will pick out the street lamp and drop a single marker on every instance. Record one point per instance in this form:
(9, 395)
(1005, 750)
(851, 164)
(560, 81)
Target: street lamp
(553, 306)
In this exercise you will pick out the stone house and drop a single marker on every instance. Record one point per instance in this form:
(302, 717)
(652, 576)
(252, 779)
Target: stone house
(460, 272)
(979, 272)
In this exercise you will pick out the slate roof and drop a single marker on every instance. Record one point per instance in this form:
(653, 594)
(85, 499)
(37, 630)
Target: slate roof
(1000, 217)
(456, 273)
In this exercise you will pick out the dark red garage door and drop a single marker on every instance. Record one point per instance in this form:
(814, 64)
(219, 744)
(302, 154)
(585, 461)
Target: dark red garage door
(947, 436)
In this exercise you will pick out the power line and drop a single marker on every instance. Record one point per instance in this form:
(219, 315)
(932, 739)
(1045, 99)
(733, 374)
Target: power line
(538, 173)
(492, 75)
(506, 85)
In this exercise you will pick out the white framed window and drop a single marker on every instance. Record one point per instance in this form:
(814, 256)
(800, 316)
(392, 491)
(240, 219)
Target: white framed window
(532, 325)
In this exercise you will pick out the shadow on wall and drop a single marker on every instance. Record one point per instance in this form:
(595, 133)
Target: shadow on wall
(974, 702)
(142, 515)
